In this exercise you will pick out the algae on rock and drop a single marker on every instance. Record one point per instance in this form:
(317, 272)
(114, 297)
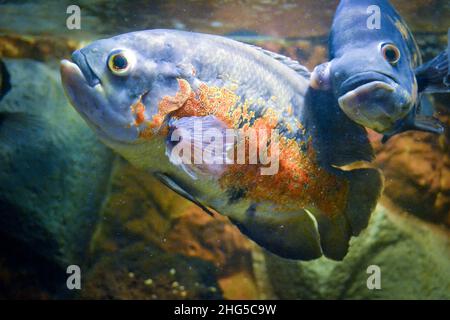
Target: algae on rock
(52, 167)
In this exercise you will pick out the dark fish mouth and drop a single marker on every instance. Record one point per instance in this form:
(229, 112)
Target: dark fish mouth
(80, 60)
(364, 78)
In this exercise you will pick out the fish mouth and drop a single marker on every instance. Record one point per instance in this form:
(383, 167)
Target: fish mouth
(81, 61)
(88, 98)
(376, 105)
(74, 81)
(354, 99)
(364, 78)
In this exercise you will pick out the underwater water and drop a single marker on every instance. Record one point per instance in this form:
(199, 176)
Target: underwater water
(68, 200)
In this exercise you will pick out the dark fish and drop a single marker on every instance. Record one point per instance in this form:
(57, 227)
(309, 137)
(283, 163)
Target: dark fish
(376, 74)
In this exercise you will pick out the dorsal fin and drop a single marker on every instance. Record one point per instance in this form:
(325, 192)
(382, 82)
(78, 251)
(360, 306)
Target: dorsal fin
(291, 63)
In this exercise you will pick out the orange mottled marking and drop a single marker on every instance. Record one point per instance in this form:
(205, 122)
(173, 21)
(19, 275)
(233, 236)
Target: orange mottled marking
(219, 102)
(140, 116)
(169, 104)
(299, 183)
(138, 109)
(166, 106)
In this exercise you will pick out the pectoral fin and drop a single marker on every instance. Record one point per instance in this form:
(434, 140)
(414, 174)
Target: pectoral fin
(416, 122)
(174, 186)
(199, 145)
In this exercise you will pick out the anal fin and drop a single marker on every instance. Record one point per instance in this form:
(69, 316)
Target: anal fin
(335, 233)
(291, 235)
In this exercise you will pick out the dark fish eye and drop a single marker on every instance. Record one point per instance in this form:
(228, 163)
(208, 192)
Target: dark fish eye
(391, 53)
(120, 62)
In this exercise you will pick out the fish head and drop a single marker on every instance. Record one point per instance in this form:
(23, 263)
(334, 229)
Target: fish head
(115, 84)
(371, 71)
(374, 86)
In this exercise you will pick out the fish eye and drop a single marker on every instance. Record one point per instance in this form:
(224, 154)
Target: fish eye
(391, 53)
(120, 62)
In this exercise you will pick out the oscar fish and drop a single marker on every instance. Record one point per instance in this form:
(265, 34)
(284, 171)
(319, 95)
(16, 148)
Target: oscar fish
(375, 70)
(138, 89)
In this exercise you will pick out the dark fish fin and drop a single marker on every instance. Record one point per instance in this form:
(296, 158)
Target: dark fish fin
(365, 188)
(171, 184)
(335, 233)
(433, 76)
(425, 107)
(191, 135)
(427, 124)
(5, 80)
(416, 122)
(291, 235)
(291, 63)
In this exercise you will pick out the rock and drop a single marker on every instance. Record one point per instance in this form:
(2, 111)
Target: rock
(425, 16)
(141, 271)
(196, 234)
(150, 231)
(412, 256)
(41, 48)
(417, 170)
(53, 170)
